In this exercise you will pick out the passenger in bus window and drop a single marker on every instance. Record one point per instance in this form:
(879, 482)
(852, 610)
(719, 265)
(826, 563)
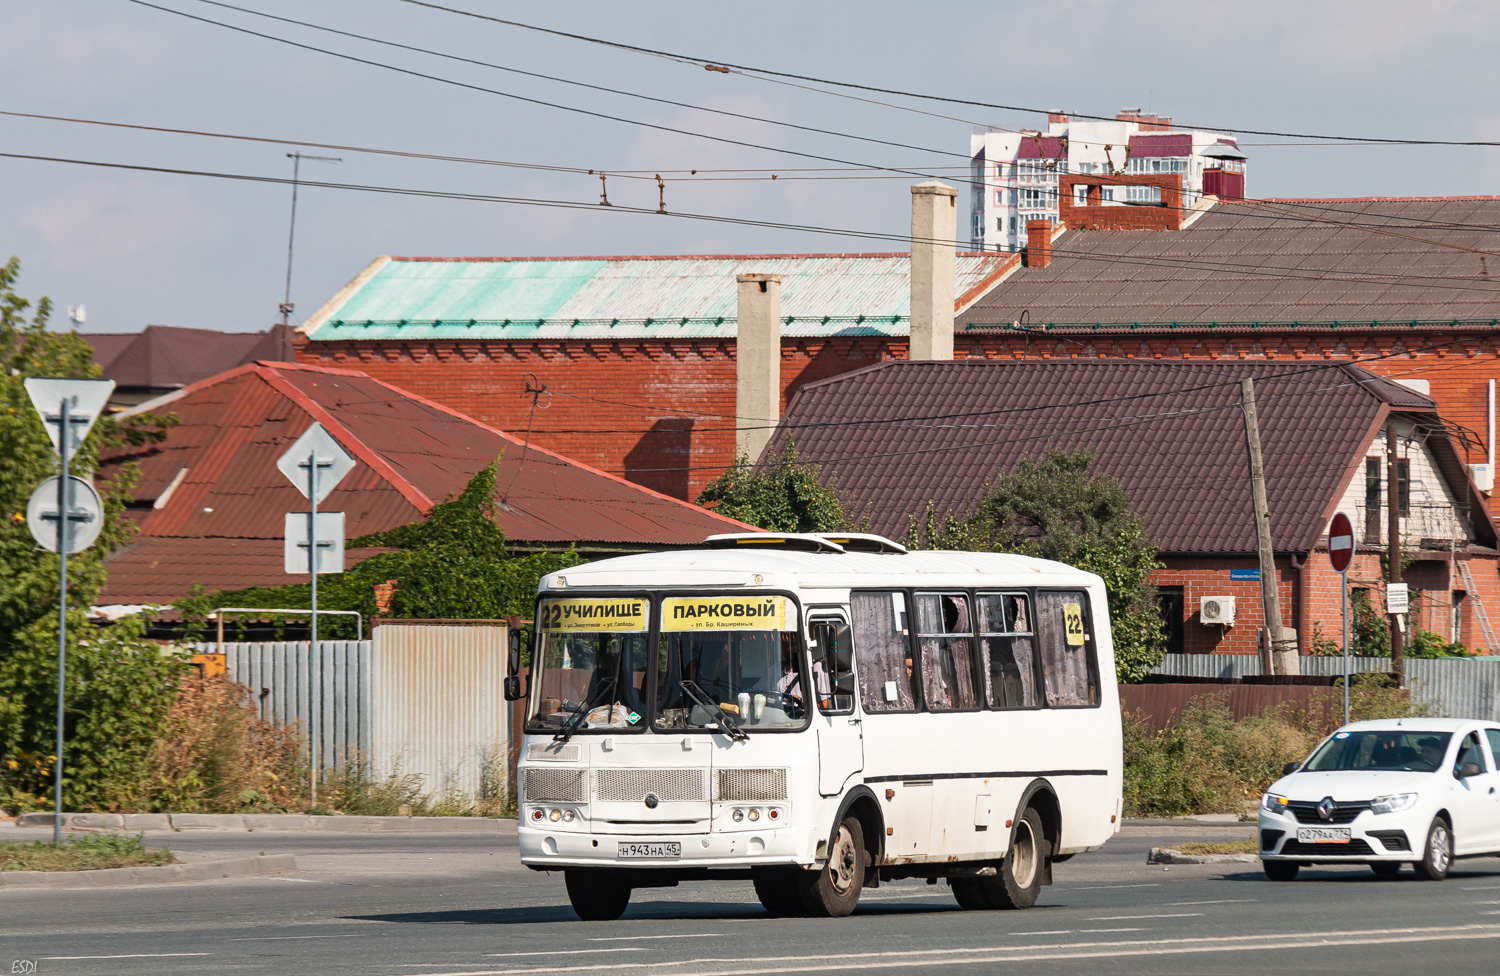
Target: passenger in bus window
(943, 634)
(1007, 650)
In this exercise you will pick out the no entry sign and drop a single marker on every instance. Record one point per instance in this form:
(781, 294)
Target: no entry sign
(1340, 543)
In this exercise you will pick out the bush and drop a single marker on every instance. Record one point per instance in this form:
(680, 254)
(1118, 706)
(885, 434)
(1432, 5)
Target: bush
(1206, 762)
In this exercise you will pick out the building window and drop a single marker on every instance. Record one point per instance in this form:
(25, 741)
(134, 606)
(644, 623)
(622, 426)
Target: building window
(999, 198)
(1372, 501)
(1403, 487)
(1169, 602)
(1458, 617)
(1012, 225)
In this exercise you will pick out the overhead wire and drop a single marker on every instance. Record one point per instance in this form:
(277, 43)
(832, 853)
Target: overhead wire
(1031, 109)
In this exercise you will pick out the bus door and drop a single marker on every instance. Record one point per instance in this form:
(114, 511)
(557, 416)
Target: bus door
(841, 741)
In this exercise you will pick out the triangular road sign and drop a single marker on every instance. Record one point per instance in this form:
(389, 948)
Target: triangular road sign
(86, 400)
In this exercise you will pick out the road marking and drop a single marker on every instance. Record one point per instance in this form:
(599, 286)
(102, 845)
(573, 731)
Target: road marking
(913, 958)
(1053, 932)
(295, 880)
(642, 938)
(1220, 901)
(283, 938)
(127, 955)
(1152, 884)
(1127, 918)
(564, 952)
(1111, 930)
(889, 895)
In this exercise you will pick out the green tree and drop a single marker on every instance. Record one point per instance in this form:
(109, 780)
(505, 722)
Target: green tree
(452, 564)
(118, 685)
(1052, 508)
(783, 495)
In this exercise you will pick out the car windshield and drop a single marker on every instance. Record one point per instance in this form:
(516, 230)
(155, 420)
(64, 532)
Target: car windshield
(593, 657)
(729, 662)
(1392, 749)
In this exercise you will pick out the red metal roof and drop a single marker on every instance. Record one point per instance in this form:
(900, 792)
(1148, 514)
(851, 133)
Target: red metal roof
(215, 478)
(161, 570)
(899, 435)
(1050, 148)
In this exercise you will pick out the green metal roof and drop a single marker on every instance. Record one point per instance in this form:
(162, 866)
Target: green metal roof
(626, 298)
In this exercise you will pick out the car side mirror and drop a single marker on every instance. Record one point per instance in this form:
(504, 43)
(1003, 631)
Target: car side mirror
(1290, 768)
(843, 685)
(1467, 769)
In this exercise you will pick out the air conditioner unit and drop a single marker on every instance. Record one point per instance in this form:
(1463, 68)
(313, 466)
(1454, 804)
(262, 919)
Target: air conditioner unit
(1216, 610)
(1483, 476)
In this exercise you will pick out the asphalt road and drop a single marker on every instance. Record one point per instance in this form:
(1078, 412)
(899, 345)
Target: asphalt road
(419, 905)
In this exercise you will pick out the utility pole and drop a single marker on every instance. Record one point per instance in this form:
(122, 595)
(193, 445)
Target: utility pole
(1393, 550)
(286, 303)
(1270, 598)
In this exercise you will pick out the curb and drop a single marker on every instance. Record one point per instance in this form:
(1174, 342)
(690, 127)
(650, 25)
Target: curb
(1200, 820)
(138, 822)
(236, 867)
(1166, 855)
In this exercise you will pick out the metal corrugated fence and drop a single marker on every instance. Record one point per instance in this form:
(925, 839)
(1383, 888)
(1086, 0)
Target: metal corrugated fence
(1449, 687)
(439, 706)
(280, 676)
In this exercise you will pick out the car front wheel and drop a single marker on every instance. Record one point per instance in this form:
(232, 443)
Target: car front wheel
(1437, 855)
(1280, 870)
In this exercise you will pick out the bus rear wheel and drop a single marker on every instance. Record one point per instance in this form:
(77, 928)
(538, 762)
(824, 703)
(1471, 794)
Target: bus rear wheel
(1019, 880)
(597, 896)
(834, 891)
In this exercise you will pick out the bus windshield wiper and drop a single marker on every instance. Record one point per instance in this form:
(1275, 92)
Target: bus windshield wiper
(697, 694)
(566, 732)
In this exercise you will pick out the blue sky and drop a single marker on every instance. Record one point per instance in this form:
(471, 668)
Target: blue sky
(140, 248)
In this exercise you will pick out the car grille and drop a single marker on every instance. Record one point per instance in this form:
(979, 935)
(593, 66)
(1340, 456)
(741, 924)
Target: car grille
(632, 785)
(750, 785)
(554, 785)
(1345, 812)
(1355, 848)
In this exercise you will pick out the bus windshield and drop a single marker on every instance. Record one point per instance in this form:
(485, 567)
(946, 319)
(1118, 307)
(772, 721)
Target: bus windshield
(592, 663)
(729, 663)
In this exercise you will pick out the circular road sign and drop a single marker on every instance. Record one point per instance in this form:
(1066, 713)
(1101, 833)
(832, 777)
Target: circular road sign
(88, 515)
(1340, 543)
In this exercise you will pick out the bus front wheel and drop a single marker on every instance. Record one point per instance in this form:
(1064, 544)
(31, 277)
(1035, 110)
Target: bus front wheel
(597, 896)
(834, 891)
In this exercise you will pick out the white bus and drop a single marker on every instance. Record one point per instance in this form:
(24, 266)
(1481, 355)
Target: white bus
(817, 715)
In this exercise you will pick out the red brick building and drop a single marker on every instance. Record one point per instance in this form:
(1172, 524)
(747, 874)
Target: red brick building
(637, 355)
(902, 435)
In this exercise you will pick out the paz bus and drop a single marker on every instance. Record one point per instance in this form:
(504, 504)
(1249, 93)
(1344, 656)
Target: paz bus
(817, 714)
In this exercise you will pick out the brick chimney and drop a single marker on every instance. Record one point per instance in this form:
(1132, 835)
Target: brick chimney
(757, 395)
(1038, 244)
(384, 594)
(934, 225)
(1147, 123)
(1056, 118)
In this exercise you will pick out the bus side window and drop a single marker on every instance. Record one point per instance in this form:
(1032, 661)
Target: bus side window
(1007, 650)
(1070, 670)
(945, 633)
(883, 650)
(832, 659)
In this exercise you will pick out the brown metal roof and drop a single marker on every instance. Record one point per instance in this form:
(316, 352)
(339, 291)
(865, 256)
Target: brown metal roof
(215, 478)
(898, 435)
(1356, 262)
(163, 357)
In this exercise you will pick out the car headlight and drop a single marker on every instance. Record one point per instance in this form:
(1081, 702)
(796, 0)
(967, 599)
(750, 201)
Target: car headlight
(1393, 803)
(1272, 803)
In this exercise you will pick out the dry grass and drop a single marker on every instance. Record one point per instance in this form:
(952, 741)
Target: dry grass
(89, 853)
(1246, 846)
(216, 755)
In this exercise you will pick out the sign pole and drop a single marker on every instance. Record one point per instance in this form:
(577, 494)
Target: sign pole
(64, 536)
(312, 564)
(1344, 587)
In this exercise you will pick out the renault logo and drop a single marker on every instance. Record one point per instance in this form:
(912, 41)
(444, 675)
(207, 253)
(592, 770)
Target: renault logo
(652, 801)
(1326, 806)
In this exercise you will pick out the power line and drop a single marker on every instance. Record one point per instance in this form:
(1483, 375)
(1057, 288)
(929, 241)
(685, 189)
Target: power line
(1389, 279)
(523, 98)
(717, 65)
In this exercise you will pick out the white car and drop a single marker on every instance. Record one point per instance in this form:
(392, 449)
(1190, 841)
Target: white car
(1419, 791)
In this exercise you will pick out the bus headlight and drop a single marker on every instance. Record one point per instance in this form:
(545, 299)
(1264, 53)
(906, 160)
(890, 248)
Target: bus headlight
(737, 815)
(554, 815)
(754, 814)
(568, 816)
(537, 814)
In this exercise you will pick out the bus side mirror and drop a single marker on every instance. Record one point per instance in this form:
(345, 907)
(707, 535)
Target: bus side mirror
(513, 691)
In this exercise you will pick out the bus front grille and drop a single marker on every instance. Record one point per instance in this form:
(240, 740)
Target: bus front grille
(750, 785)
(554, 785)
(632, 785)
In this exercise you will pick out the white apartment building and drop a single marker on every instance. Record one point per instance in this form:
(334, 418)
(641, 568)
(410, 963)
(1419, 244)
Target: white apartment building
(1014, 175)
